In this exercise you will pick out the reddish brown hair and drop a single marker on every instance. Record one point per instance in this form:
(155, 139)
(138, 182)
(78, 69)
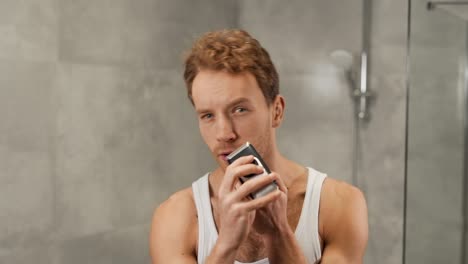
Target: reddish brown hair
(233, 51)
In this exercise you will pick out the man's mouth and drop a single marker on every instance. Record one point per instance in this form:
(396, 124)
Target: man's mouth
(223, 155)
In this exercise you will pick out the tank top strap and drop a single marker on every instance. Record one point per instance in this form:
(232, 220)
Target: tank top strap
(207, 233)
(307, 230)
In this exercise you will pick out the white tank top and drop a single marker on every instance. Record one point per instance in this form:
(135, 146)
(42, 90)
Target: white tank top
(306, 231)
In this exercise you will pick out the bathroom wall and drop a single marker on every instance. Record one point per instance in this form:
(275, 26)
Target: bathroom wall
(95, 120)
(95, 123)
(383, 139)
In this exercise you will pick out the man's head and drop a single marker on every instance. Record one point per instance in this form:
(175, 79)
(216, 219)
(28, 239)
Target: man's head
(233, 86)
(233, 51)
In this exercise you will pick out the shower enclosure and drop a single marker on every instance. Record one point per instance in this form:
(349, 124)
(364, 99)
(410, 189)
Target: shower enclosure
(436, 203)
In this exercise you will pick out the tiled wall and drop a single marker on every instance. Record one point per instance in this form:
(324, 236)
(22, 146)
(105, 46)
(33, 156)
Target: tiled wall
(96, 121)
(383, 140)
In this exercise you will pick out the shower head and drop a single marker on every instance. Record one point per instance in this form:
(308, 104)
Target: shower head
(343, 59)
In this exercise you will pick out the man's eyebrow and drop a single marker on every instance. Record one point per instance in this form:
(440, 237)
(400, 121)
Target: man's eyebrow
(238, 101)
(235, 102)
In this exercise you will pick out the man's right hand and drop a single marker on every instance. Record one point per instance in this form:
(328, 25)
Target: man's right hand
(236, 209)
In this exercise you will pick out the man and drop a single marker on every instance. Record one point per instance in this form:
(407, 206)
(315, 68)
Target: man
(233, 86)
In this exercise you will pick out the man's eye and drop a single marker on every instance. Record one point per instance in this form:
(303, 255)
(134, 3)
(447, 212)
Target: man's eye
(206, 116)
(240, 110)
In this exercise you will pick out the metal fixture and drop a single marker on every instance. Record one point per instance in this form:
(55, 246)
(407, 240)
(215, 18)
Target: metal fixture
(431, 5)
(363, 95)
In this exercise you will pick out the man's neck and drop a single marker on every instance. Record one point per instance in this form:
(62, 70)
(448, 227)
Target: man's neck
(287, 169)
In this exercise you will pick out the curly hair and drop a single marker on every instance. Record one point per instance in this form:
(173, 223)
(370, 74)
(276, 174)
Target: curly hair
(233, 51)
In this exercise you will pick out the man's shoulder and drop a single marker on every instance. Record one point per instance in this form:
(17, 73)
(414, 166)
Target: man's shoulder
(180, 202)
(337, 192)
(178, 212)
(341, 203)
(173, 228)
(176, 218)
(339, 196)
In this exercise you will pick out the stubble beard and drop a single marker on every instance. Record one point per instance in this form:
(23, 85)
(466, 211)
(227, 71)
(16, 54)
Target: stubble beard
(263, 145)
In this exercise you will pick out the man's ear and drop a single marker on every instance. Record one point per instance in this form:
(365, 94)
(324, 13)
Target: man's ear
(277, 111)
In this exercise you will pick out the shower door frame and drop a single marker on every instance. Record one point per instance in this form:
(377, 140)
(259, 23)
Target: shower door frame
(431, 5)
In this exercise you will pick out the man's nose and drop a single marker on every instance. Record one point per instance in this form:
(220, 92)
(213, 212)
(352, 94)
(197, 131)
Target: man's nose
(225, 130)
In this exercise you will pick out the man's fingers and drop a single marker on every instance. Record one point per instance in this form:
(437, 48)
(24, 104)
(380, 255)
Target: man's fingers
(260, 202)
(237, 185)
(241, 167)
(280, 182)
(253, 185)
(243, 160)
(226, 183)
(245, 170)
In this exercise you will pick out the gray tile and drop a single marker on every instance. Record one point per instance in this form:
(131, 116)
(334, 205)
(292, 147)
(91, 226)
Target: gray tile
(26, 170)
(183, 12)
(156, 33)
(302, 34)
(385, 238)
(27, 119)
(435, 187)
(388, 37)
(383, 184)
(386, 108)
(448, 60)
(436, 115)
(318, 127)
(26, 188)
(41, 253)
(434, 28)
(28, 30)
(91, 31)
(126, 245)
(155, 134)
(83, 166)
(122, 137)
(88, 249)
(433, 241)
(382, 174)
(161, 45)
(387, 58)
(435, 152)
(435, 167)
(385, 209)
(143, 33)
(389, 22)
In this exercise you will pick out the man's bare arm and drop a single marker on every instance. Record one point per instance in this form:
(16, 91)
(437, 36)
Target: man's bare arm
(174, 231)
(346, 226)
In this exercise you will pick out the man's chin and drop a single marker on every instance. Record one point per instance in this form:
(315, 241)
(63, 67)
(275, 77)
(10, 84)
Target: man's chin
(222, 163)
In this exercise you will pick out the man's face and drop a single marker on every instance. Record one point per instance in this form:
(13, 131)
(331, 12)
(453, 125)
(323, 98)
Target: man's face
(231, 110)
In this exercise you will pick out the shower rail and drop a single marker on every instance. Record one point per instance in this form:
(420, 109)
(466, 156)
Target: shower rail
(431, 5)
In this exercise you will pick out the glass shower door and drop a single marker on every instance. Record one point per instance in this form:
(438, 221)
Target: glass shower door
(436, 150)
